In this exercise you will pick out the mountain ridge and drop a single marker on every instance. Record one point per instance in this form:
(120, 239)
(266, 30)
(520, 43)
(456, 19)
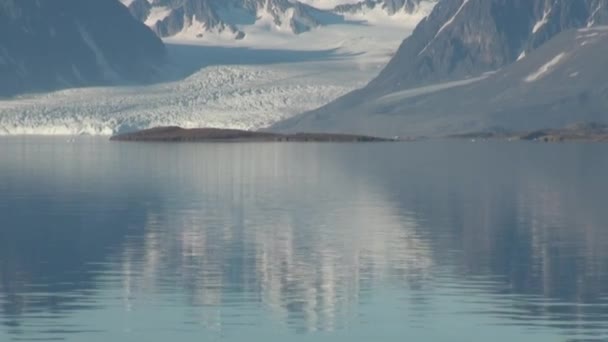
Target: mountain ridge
(463, 38)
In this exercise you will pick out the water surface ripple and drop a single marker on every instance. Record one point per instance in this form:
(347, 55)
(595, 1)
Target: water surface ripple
(431, 241)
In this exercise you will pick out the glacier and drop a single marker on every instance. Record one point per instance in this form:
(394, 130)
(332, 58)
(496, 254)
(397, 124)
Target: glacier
(224, 84)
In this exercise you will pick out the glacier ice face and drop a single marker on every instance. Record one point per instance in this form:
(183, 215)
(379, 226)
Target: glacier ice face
(235, 96)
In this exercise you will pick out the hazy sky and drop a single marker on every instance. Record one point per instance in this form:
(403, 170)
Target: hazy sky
(327, 3)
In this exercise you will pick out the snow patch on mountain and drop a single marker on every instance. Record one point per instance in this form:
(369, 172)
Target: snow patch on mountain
(521, 56)
(157, 14)
(379, 16)
(409, 93)
(127, 2)
(546, 68)
(591, 21)
(542, 22)
(451, 20)
(444, 26)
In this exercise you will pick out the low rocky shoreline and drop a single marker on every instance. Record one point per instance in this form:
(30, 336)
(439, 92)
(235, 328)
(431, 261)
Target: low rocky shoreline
(588, 132)
(178, 134)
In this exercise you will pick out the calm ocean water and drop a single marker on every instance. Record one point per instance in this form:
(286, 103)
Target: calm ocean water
(429, 241)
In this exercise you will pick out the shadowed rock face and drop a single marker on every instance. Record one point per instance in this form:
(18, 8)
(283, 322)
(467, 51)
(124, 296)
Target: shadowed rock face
(140, 9)
(46, 45)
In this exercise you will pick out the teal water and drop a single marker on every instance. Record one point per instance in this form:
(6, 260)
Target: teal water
(428, 241)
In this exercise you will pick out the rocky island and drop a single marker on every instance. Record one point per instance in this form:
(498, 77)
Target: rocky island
(178, 134)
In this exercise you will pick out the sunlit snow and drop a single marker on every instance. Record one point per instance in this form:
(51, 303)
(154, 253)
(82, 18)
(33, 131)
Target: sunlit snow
(157, 14)
(545, 69)
(446, 25)
(521, 56)
(542, 22)
(328, 4)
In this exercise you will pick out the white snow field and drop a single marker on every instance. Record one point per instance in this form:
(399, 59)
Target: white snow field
(226, 84)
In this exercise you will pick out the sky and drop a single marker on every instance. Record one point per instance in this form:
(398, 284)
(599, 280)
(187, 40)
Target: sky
(327, 3)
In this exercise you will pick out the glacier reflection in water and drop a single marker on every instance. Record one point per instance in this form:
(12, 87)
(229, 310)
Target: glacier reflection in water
(431, 241)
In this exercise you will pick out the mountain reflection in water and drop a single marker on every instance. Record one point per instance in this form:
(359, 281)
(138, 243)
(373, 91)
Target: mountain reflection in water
(339, 241)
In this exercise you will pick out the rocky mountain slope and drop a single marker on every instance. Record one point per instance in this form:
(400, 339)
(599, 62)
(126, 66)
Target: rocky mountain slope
(467, 37)
(46, 45)
(231, 18)
(545, 55)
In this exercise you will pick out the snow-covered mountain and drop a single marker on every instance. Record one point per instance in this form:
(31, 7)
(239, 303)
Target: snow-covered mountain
(391, 7)
(46, 45)
(463, 38)
(236, 19)
(481, 64)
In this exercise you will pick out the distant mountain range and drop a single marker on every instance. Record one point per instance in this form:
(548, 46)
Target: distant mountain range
(476, 65)
(45, 45)
(231, 18)
(391, 7)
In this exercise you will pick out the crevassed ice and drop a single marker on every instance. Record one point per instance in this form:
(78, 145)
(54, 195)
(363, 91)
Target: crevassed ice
(245, 97)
